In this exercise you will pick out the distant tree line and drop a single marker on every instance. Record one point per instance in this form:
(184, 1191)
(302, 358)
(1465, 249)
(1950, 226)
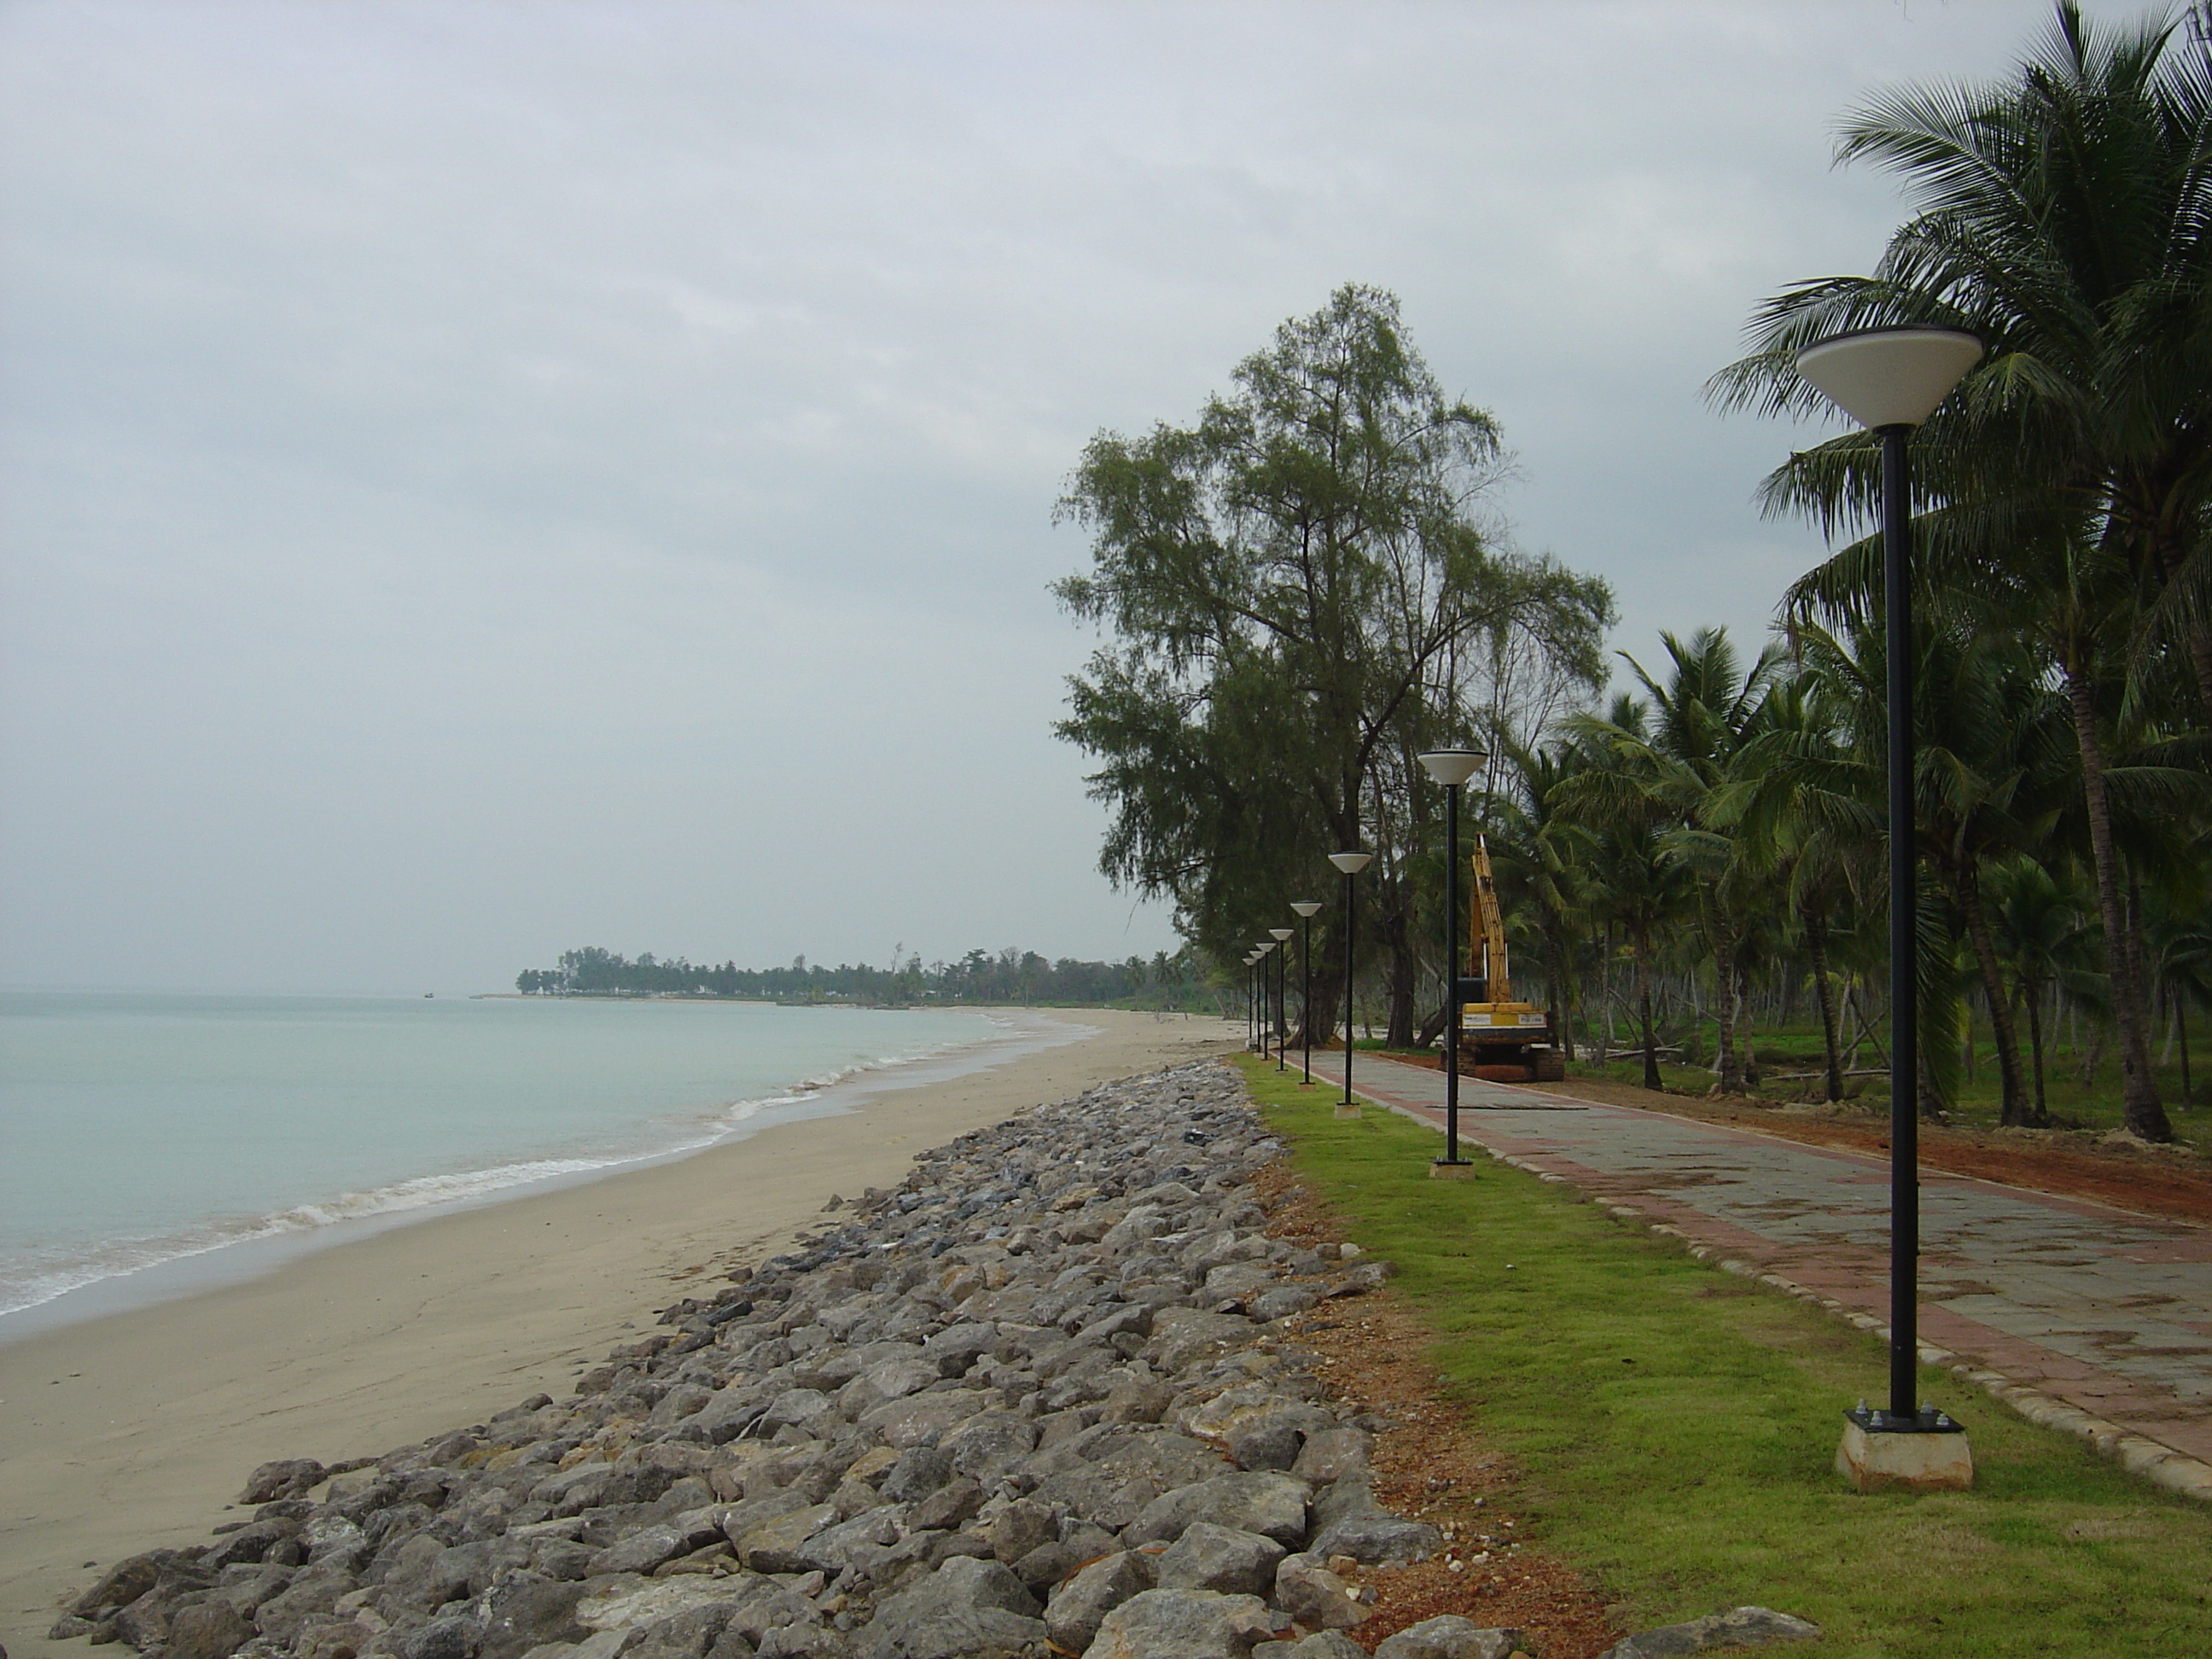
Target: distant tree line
(1011, 976)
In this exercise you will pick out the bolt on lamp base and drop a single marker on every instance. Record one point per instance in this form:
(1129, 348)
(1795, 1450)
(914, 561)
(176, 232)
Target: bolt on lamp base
(1443, 1170)
(1343, 1110)
(1925, 1452)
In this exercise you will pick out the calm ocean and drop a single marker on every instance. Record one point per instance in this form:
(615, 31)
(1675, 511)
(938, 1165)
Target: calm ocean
(139, 1130)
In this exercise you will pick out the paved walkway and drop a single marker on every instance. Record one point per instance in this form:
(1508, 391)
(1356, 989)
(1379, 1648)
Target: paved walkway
(2104, 1316)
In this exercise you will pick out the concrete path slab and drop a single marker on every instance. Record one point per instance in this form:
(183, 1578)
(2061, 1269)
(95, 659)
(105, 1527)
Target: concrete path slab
(2102, 1310)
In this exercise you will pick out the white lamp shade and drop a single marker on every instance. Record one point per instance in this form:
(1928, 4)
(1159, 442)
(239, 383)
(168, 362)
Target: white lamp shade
(1262, 948)
(1306, 907)
(1889, 376)
(1282, 933)
(1351, 863)
(1453, 766)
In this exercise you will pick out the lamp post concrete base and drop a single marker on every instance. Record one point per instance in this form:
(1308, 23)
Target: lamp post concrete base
(1931, 1455)
(1439, 1169)
(1343, 1110)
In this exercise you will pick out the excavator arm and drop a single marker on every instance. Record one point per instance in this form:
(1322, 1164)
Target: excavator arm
(1486, 928)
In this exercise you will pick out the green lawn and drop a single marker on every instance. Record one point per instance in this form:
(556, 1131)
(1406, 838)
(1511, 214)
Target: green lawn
(1677, 1427)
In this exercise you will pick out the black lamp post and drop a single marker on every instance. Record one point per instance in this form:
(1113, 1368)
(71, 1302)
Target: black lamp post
(1282, 938)
(1890, 380)
(1251, 999)
(1261, 951)
(1306, 908)
(1352, 863)
(1452, 768)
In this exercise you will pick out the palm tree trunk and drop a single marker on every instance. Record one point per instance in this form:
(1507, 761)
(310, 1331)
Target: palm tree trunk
(2034, 999)
(1731, 1078)
(1746, 1057)
(1403, 971)
(1967, 889)
(1652, 1080)
(1554, 1002)
(2139, 1106)
(1816, 947)
(2181, 1030)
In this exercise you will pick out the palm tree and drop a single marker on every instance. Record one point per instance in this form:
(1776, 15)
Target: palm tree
(2040, 933)
(1673, 767)
(1634, 885)
(1548, 858)
(2066, 217)
(1820, 849)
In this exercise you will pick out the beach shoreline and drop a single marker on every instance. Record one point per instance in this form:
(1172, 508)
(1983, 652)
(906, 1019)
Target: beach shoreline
(264, 1243)
(136, 1429)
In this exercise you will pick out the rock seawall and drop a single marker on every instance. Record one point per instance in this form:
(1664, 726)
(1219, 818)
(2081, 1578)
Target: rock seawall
(1033, 1401)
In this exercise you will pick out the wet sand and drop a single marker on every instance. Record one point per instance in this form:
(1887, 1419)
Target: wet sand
(136, 1429)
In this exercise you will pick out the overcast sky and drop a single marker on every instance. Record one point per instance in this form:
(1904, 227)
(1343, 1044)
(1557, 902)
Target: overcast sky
(482, 478)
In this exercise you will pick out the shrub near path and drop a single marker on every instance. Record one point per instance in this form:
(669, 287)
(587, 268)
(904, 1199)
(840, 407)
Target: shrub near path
(1673, 1428)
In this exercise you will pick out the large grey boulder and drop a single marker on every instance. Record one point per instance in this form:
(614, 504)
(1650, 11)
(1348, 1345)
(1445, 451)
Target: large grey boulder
(921, 1419)
(213, 1630)
(920, 1471)
(334, 1539)
(623, 1604)
(1269, 1504)
(309, 1595)
(1224, 1559)
(795, 1407)
(779, 1545)
(1182, 1335)
(948, 1507)
(1736, 1627)
(422, 1574)
(1377, 1537)
(1307, 1590)
(1283, 1301)
(1073, 1615)
(859, 1546)
(451, 1637)
(247, 1587)
(966, 1609)
(249, 1543)
(957, 1348)
(522, 1613)
(1450, 1637)
(1017, 1528)
(762, 1608)
(1321, 1644)
(1182, 1624)
(1238, 1282)
(286, 1477)
(1334, 1453)
(121, 1584)
(988, 1444)
(891, 1379)
(642, 1551)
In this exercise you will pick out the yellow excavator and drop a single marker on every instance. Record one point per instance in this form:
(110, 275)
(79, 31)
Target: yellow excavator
(1499, 1039)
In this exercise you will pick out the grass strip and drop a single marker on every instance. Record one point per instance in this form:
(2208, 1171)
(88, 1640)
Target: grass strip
(1677, 1428)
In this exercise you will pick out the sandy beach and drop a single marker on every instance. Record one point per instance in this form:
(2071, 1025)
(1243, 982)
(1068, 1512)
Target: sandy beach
(135, 1431)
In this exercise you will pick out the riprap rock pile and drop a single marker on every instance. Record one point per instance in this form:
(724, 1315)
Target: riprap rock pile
(1035, 1400)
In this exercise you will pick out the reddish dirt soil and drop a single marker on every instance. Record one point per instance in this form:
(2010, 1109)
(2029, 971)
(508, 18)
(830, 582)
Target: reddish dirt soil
(1368, 1352)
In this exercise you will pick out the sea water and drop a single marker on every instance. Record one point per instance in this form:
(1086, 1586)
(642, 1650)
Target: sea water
(138, 1130)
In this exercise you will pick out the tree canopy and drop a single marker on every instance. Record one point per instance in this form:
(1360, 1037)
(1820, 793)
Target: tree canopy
(1301, 591)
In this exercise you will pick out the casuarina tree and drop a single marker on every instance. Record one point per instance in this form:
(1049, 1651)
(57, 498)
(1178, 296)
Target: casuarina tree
(1297, 591)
